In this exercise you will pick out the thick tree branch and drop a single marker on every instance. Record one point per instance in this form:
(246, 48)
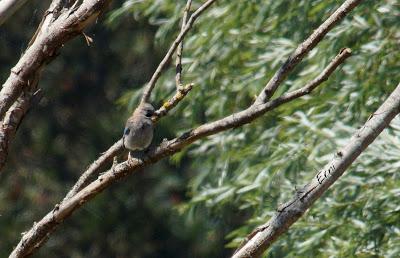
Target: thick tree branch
(290, 212)
(45, 47)
(39, 232)
(106, 157)
(257, 108)
(13, 119)
(51, 34)
(150, 85)
(304, 48)
(49, 16)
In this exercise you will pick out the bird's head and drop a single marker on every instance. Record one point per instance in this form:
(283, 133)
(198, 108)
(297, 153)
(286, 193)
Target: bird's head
(145, 109)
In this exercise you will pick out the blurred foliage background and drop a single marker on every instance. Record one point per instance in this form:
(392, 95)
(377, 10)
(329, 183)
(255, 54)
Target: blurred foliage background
(203, 201)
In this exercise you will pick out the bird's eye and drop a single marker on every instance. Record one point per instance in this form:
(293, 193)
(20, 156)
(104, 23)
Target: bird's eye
(149, 113)
(127, 131)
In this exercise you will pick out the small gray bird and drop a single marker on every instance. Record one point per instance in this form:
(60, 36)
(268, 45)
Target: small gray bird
(138, 132)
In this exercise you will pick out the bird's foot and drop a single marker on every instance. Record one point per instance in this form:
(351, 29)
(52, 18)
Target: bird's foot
(130, 158)
(114, 164)
(135, 155)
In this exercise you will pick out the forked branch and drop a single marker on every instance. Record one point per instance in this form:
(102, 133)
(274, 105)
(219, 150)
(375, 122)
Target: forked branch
(304, 48)
(290, 212)
(150, 85)
(38, 233)
(57, 27)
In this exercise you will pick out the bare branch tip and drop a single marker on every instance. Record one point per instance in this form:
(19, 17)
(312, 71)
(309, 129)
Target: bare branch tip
(88, 39)
(185, 89)
(345, 51)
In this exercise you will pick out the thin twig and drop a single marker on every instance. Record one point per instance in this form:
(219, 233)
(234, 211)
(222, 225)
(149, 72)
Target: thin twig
(304, 48)
(171, 103)
(47, 225)
(150, 85)
(107, 156)
(178, 62)
(116, 148)
(94, 169)
(288, 213)
(323, 76)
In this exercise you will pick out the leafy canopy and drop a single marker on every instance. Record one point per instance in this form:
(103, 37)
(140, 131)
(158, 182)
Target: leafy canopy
(231, 52)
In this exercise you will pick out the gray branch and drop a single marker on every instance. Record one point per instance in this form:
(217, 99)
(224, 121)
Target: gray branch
(178, 62)
(41, 230)
(56, 29)
(150, 85)
(79, 195)
(304, 48)
(288, 213)
(45, 47)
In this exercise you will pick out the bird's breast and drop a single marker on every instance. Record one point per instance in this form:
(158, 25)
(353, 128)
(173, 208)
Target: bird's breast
(140, 135)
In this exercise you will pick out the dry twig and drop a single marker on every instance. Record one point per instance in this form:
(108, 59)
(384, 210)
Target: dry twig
(47, 42)
(304, 48)
(178, 62)
(38, 233)
(150, 86)
(56, 28)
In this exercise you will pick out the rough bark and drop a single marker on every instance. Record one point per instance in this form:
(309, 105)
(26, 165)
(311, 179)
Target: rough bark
(40, 231)
(56, 28)
(287, 214)
(45, 47)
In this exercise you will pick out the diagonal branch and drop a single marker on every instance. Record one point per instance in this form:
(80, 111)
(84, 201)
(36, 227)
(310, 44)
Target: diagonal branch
(56, 28)
(49, 16)
(45, 47)
(13, 119)
(181, 92)
(150, 86)
(95, 168)
(304, 48)
(38, 233)
(107, 156)
(288, 213)
(323, 76)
